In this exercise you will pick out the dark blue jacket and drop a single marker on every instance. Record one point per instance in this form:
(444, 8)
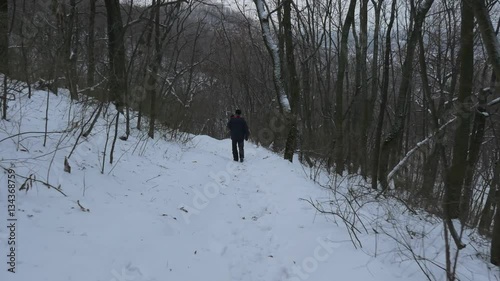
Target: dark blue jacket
(238, 127)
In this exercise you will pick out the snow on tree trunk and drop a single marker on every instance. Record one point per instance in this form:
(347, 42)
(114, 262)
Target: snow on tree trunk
(273, 49)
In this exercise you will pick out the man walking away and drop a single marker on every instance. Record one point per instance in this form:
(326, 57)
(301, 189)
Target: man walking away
(239, 132)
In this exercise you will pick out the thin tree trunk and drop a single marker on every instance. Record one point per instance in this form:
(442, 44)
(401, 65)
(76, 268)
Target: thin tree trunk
(489, 205)
(101, 105)
(152, 80)
(116, 49)
(111, 154)
(455, 177)
(91, 46)
(294, 85)
(491, 43)
(366, 102)
(374, 69)
(384, 93)
(46, 119)
(339, 90)
(272, 48)
(495, 241)
(476, 141)
(431, 165)
(391, 141)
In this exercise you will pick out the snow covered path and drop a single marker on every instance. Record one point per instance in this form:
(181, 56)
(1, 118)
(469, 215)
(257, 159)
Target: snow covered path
(198, 216)
(168, 211)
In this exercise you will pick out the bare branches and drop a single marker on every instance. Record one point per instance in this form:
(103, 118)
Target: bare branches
(34, 179)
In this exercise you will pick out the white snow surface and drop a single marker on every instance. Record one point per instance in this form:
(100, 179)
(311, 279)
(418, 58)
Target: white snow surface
(167, 210)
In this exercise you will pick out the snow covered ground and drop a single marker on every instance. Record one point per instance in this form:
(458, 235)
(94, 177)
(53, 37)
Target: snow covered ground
(166, 210)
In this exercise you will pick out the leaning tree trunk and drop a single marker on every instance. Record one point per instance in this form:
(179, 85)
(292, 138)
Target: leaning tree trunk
(4, 51)
(273, 50)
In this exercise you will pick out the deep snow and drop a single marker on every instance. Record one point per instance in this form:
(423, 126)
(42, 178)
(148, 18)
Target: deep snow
(168, 210)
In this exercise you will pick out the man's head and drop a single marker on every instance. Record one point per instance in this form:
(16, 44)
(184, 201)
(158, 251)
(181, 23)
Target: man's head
(238, 112)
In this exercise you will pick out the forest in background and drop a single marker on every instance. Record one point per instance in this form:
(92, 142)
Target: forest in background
(402, 93)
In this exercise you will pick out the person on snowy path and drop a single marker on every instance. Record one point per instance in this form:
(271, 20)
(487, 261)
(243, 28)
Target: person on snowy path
(239, 132)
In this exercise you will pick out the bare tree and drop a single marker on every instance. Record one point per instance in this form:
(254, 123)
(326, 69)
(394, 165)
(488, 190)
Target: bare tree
(273, 49)
(91, 46)
(339, 90)
(116, 50)
(390, 142)
(455, 176)
(384, 93)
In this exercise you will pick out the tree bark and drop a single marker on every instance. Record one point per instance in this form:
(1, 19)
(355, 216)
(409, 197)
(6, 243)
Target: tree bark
(384, 93)
(116, 49)
(476, 140)
(91, 46)
(455, 177)
(366, 113)
(488, 211)
(273, 50)
(339, 90)
(495, 241)
(391, 141)
(293, 82)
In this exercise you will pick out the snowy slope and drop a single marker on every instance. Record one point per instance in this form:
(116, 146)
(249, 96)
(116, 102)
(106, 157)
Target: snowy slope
(178, 211)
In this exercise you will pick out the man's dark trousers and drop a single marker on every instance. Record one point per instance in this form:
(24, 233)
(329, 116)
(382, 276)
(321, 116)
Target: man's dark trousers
(239, 147)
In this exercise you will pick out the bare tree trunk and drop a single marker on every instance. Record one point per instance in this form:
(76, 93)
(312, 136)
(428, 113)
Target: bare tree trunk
(293, 82)
(116, 49)
(73, 51)
(279, 81)
(431, 164)
(489, 206)
(24, 54)
(495, 241)
(384, 93)
(4, 51)
(46, 118)
(491, 43)
(476, 140)
(152, 80)
(91, 46)
(111, 153)
(67, 53)
(87, 132)
(488, 33)
(339, 90)
(272, 48)
(374, 69)
(391, 141)
(366, 113)
(455, 177)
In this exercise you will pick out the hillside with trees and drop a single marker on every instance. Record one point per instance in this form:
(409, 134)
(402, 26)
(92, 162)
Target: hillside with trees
(401, 93)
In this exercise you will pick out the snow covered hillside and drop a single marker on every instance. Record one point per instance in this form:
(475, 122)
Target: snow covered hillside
(168, 210)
